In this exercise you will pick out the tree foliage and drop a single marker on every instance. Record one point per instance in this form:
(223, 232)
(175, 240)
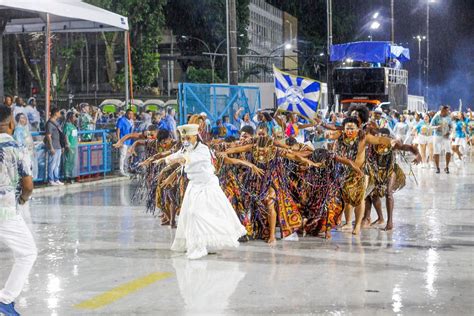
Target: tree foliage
(200, 75)
(206, 20)
(65, 48)
(146, 21)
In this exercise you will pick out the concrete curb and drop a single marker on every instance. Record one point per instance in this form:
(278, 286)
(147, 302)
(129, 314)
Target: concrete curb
(47, 190)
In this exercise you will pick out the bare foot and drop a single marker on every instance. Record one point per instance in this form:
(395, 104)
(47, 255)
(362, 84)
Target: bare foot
(346, 227)
(327, 234)
(271, 241)
(356, 230)
(366, 223)
(388, 227)
(379, 221)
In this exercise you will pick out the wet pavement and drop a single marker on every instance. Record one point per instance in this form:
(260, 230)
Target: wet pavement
(100, 255)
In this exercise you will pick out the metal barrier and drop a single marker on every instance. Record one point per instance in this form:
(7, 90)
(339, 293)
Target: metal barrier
(217, 100)
(93, 157)
(397, 76)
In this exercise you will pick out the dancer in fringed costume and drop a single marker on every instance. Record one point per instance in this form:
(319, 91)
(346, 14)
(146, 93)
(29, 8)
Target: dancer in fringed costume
(268, 196)
(322, 203)
(231, 171)
(351, 144)
(387, 176)
(147, 140)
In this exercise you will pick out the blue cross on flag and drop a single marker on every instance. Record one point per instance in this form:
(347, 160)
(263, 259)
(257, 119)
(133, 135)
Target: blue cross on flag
(297, 94)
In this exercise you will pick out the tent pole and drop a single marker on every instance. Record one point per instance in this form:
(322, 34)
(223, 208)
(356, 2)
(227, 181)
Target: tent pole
(125, 59)
(130, 67)
(47, 67)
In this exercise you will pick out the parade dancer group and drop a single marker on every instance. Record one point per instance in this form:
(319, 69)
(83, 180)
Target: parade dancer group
(226, 191)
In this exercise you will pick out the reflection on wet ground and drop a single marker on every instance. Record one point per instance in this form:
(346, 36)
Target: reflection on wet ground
(101, 255)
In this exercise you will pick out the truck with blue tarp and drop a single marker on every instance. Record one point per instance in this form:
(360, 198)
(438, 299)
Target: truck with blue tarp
(370, 73)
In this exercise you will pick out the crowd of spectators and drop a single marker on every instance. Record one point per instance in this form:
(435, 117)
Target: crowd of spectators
(66, 129)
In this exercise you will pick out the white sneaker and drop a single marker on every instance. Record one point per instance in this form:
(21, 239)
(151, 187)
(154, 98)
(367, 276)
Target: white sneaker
(59, 183)
(53, 183)
(292, 237)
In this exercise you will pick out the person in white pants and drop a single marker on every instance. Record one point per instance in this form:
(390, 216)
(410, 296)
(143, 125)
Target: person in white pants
(441, 124)
(15, 180)
(124, 127)
(123, 166)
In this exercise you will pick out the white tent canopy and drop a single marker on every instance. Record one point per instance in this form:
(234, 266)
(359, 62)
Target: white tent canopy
(65, 16)
(48, 16)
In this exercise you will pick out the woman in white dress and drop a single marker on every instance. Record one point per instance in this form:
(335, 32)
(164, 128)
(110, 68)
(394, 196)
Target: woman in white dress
(207, 219)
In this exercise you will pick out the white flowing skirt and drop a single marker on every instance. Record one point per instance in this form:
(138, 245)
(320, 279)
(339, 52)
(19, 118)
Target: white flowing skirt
(207, 219)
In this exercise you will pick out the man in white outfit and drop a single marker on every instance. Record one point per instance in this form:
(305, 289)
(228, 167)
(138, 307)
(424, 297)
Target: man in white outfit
(442, 125)
(16, 186)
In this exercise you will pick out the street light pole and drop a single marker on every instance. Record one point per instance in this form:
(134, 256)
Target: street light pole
(227, 37)
(392, 18)
(427, 91)
(420, 38)
(420, 84)
(291, 41)
(233, 49)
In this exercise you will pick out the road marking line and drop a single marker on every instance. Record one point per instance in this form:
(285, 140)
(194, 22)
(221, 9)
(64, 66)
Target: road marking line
(123, 290)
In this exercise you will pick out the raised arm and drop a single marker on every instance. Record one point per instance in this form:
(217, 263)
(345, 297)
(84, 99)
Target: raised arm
(378, 140)
(127, 137)
(237, 114)
(349, 163)
(157, 158)
(234, 161)
(302, 126)
(333, 134)
(409, 148)
(328, 126)
(172, 178)
(300, 159)
(132, 151)
(239, 149)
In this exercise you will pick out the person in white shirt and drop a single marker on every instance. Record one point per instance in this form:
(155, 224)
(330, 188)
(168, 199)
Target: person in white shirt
(16, 186)
(401, 129)
(208, 123)
(245, 121)
(19, 107)
(33, 114)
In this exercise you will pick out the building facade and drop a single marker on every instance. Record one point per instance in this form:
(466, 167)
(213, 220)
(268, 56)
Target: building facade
(272, 41)
(272, 34)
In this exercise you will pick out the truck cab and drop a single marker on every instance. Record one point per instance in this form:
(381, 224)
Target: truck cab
(365, 73)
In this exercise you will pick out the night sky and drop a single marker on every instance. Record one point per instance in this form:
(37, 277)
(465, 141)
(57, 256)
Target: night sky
(451, 43)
